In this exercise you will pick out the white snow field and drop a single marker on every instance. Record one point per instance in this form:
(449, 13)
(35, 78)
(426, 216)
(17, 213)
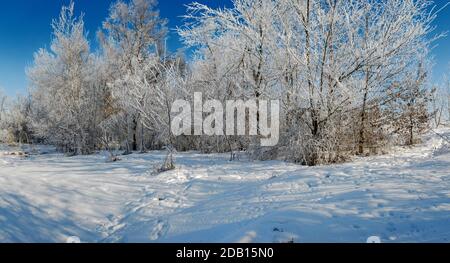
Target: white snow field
(400, 197)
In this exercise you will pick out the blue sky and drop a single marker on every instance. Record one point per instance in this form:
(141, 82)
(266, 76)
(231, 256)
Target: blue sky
(25, 27)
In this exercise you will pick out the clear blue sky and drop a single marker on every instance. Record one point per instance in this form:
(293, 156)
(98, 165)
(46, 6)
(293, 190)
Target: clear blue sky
(25, 27)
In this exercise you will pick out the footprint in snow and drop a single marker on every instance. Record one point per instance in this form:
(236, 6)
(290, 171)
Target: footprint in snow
(161, 228)
(276, 229)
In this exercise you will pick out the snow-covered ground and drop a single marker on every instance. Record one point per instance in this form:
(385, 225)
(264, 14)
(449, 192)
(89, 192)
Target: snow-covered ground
(400, 197)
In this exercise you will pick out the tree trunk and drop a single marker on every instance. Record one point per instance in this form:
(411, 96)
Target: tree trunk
(361, 133)
(448, 106)
(411, 130)
(362, 138)
(134, 143)
(142, 139)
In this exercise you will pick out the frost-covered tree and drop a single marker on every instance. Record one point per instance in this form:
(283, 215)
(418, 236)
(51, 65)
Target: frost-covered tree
(443, 99)
(18, 123)
(132, 41)
(64, 95)
(330, 62)
(15, 120)
(3, 112)
(447, 96)
(411, 107)
(150, 91)
(3, 99)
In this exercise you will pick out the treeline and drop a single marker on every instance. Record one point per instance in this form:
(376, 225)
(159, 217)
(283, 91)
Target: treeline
(351, 76)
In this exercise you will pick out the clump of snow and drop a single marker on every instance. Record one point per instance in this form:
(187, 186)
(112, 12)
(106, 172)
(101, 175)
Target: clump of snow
(399, 197)
(374, 239)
